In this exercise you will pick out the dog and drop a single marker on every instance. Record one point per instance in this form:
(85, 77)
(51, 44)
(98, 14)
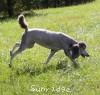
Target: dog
(52, 40)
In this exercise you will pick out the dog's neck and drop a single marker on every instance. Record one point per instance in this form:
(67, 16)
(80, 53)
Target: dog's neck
(73, 42)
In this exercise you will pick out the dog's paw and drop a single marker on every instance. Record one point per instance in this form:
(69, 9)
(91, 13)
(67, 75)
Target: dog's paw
(76, 65)
(10, 65)
(10, 53)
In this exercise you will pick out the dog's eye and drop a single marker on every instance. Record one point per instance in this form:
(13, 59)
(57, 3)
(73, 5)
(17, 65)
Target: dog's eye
(83, 48)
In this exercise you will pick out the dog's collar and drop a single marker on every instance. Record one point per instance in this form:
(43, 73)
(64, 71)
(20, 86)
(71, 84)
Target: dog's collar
(72, 43)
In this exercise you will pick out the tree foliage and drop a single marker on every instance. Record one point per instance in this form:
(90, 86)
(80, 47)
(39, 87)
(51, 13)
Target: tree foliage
(13, 7)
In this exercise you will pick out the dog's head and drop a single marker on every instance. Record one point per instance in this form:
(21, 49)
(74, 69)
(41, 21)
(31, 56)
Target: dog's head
(79, 49)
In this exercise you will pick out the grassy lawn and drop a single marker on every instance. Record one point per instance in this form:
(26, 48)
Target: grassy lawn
(29, 76)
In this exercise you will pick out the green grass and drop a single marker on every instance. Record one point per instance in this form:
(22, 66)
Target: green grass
(29, 76)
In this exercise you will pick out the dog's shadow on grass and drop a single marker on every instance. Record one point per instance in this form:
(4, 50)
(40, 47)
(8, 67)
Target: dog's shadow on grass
(62, 65)
(33, 70)
(37, 70)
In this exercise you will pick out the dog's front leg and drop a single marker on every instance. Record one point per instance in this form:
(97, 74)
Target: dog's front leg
(50, 56)
(67, 53)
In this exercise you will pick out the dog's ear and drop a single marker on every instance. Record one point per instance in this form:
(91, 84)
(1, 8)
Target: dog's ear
(75, 51)
(82, 45)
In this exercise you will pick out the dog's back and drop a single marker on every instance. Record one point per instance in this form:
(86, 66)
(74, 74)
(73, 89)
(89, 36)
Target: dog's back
(45, 38)
(49, 39)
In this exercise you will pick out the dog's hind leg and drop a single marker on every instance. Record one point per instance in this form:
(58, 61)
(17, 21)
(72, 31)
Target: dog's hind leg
(16, 45)
(21, 48)
(50, 56)
(67, 53)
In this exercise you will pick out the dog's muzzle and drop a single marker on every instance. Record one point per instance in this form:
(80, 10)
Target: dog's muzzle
(84, 53)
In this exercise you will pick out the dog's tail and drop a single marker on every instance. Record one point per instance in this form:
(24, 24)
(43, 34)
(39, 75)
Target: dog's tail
(22, 22)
